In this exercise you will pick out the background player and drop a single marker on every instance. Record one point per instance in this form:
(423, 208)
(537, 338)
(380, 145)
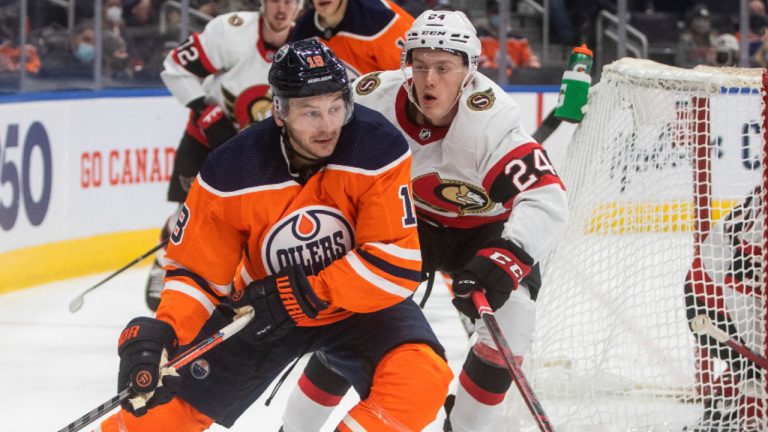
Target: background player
(221, 76)
(726, 283)
(488, 201)
(329, 264)
(367, 35)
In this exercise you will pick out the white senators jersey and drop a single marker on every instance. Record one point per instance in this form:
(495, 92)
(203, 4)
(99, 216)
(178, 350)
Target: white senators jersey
(227, 63)
(482, 168)
(727, 275)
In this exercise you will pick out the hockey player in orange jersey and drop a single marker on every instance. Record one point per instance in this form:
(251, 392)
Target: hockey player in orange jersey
(220, 74)
(489, 206)
(310, 213)
(367, 35)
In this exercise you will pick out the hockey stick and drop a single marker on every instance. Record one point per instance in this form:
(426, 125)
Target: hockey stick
(702, 324)
(486, 313)
(77, 302)
(547, 127)
(180, 360)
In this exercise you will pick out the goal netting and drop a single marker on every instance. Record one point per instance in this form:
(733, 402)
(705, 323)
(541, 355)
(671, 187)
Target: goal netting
(665, 187)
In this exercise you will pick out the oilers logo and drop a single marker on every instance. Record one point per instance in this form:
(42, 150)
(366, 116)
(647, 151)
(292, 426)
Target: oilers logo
(200, 369)
(313, 237)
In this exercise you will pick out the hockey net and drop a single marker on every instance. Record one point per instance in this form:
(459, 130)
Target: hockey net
(662, 157)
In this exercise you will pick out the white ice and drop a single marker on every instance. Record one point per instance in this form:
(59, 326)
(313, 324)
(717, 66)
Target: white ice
(56, 366)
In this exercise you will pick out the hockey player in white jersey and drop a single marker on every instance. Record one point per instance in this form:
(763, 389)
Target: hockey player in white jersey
(726, 283)
(488, 201)
(220, 74)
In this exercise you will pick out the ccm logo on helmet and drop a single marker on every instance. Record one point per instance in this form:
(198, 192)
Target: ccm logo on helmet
(312, 237)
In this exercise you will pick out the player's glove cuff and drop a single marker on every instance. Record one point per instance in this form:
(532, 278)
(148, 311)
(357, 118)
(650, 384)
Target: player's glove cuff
(497, 268)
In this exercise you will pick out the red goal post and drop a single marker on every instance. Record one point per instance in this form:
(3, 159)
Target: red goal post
(653, 174)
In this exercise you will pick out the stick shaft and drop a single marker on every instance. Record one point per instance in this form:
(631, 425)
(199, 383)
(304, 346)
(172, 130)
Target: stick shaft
(129, 265)
(547, 127)
(526, 391)
(180, 360)
(703, 324)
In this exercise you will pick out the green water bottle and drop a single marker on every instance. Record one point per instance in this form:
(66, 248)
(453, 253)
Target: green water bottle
(574, 87)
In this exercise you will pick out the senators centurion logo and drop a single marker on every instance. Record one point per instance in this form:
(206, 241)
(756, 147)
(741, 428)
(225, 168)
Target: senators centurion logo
(252, 105)
(368, 83)
(235, 20)
(313, 237)
(482, 100)
(454, 196)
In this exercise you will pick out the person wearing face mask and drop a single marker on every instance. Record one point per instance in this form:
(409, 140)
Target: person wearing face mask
(220, 74)
(696, 44)
(83, 44)
(489, 205)
(118, 48)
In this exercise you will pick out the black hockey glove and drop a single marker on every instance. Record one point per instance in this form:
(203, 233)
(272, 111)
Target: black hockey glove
(280, 302)
(144, 346)
(213, 121)
(497, 268)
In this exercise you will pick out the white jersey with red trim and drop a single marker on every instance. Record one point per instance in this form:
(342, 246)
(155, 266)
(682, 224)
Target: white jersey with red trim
(727, 276)
(227, 63)
(482, 168)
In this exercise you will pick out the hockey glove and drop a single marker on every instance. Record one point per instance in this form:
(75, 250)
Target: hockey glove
(497, 268)
(144, 346)
(280, 301)
(213, 122)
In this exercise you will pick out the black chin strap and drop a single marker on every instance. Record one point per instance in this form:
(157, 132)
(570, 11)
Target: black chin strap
(304, 173)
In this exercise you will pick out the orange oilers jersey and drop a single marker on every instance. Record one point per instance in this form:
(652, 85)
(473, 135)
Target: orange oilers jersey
(369, 38)
(351, 225)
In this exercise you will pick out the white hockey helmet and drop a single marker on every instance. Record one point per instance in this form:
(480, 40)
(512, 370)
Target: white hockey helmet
(445, 30)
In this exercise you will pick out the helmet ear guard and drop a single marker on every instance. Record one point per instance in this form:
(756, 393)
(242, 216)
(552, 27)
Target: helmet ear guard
(307, 68)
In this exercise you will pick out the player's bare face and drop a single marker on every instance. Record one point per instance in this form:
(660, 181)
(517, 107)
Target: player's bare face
(437, 79)
(280, 14)
(314, 124)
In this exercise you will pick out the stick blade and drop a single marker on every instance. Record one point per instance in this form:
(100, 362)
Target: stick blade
(76, 304)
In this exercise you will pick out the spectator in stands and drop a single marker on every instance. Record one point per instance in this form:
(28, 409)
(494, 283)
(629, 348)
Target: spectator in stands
(726, 52)
(116, 57)
(77, 61)
(519, 52)
(760, 57)
(696, 44)
(10, 53)
(141, 12)
(116, 42)
(10, 57)
(758, 23)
